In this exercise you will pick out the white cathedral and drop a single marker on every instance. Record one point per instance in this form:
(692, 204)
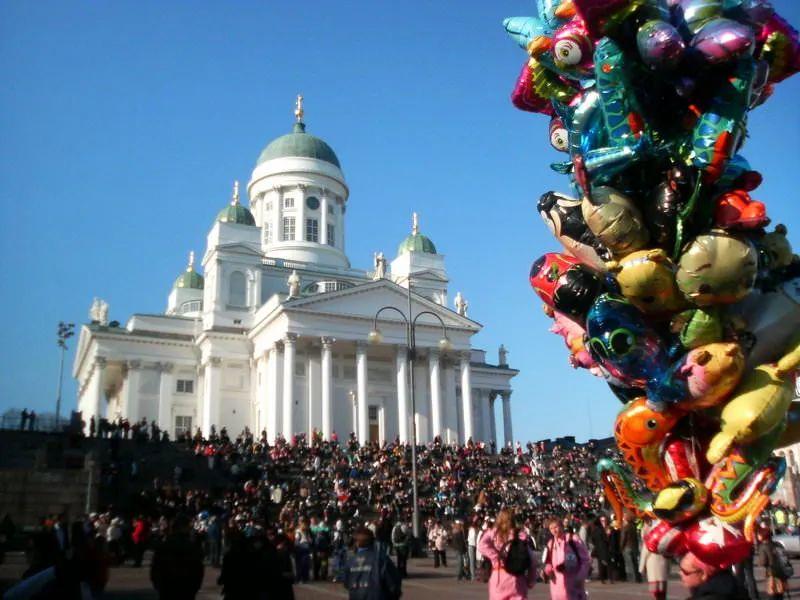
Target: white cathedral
(280, 334)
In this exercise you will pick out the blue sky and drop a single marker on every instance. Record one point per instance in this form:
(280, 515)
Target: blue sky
(124, 124)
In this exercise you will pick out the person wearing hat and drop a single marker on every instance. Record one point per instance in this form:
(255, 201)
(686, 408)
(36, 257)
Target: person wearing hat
(707, 581)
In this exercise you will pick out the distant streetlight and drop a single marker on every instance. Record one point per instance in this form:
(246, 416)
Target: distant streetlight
(65, 331)
(375, 337)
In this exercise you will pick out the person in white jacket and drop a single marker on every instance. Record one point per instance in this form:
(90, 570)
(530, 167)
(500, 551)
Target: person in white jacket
(654, 567)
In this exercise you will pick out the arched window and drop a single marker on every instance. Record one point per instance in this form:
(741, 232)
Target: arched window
(237, 289)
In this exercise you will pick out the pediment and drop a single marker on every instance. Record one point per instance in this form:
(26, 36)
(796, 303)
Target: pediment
(429, 275)
(363, 301)
(240, 248)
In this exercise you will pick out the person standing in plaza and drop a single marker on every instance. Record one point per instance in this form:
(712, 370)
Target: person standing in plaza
(370, 574)
(513, 562)
(601, 549)
(773, 558)
(400, 540)
(629, 543)
(472, 545)
(177, 568)
(655, 568)
(438, 539)
(460, 546)
(566, 564)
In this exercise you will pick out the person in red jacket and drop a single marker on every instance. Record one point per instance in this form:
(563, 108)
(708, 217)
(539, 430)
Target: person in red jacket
(140, 537)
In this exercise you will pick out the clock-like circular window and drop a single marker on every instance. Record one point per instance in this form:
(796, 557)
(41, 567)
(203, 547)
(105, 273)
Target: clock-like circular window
(312, 202)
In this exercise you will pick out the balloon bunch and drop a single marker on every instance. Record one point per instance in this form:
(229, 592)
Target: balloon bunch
(669, 286)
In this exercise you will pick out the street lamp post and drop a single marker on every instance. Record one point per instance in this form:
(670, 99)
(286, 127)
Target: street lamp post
(65, 331)
(376, 337)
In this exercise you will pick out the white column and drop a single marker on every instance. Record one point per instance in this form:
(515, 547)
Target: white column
(273, 393)
(166, 386)
(323, 218)
(361, 392)
(354, 406)
(132, 399)
(486, 430)
(300, 211)
(436, 395)
(97, 399)
(507, 433)
(288, 385)
(450, 410)
(492, 420)
(211, 399)
(327, 387)
(466, 395)
(342, 208)
(401, 363)
(277, 217)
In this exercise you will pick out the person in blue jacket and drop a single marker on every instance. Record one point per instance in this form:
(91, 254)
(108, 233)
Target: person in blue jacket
(370, 574)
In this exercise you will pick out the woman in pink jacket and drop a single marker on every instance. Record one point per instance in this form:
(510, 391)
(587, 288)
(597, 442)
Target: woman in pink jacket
(566, 564)
(493, 546)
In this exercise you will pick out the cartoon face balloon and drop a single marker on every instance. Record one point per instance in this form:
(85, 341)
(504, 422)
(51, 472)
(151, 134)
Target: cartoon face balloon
(615, 220)
(647, 279)
(623, 343)
(717, 268)
(564, 284)
(564, 219)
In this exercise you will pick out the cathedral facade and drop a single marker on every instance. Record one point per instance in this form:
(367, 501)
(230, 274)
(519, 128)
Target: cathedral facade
(281, 334)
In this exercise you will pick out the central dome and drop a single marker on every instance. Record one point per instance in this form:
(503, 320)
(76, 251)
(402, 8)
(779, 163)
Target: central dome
(301, 144)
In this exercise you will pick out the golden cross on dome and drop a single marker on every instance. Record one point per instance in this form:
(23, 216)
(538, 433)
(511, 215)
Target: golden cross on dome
(235, 197)
(414, 224)
(191, 261)
(298, 108)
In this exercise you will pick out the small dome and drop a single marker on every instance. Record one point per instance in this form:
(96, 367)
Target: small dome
(190, 278)
(299, 143)
(416, 242)
(235, 212)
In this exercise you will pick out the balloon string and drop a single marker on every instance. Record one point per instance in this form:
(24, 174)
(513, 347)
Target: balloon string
(683, 216)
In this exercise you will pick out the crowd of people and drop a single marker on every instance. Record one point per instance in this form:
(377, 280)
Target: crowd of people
(313, 510)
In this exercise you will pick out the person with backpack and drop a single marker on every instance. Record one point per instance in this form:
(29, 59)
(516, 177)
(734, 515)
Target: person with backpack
(321, 534)
(400, 540)
(566, 564)
(779, 568)
(370, 574)
(511, 555)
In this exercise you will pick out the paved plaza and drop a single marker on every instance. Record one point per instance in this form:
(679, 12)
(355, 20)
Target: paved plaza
(424, 583)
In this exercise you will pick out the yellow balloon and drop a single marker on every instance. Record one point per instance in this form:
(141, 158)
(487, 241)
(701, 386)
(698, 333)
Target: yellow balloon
(647, 279)
(759, 405)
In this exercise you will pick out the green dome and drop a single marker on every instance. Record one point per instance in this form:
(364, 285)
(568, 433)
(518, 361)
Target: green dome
(190, 279)
(416, 242)
(236, 213)
(299, 143)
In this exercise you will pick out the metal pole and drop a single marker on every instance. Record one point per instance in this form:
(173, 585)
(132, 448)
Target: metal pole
(410, 342)
(58, 397)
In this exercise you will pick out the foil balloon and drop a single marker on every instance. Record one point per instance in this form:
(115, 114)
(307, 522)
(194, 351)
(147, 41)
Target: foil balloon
(660, 45)
(737, 210)
(723, 40)
(564, 284)
(717, 268)
(712, 372)
(615, 220)
(717, 543)
(525, 95)
(759, 405)
(622, 343)
(573, 334)
(666, 201)
(780, 48)
(647, 279)
(640, 433)
(696, 327)
(564, 219)
(559, 136)
(619, 491)
(681, 501)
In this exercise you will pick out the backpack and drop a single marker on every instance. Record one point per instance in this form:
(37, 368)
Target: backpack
(781, 565)
(572, 545)
(517, 560)
(323, 541)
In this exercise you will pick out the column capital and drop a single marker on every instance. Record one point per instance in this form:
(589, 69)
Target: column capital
(493, 394)
(289, 339)
(434, 354)
(213, 361)
(327, 342)
(165, 367)
(465, 356)
(100, 362)
(132, 365)
(361, 346)
(302, 187)
(506, 395)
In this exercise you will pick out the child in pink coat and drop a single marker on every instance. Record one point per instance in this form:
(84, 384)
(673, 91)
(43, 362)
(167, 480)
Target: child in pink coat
(567, 564)
(493, 546)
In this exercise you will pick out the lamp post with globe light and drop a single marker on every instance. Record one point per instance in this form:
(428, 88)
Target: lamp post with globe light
(65, 331)
(375, 337)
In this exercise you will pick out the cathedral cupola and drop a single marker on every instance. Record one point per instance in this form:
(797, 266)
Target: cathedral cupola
(190, 279)
(416, 242)
(235, 212)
